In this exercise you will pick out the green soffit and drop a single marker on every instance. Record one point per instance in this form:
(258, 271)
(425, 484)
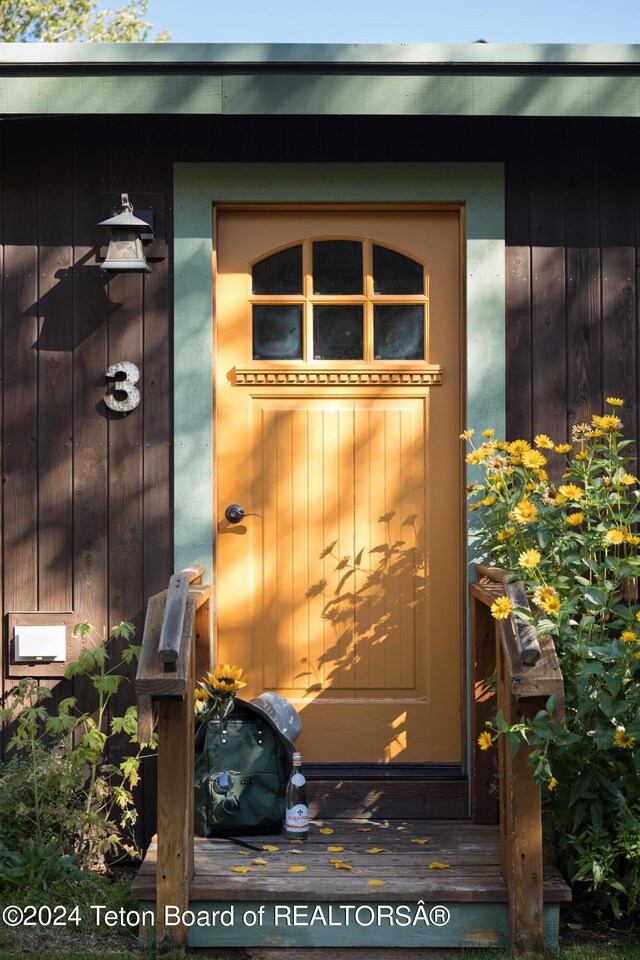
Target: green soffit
(314, 79)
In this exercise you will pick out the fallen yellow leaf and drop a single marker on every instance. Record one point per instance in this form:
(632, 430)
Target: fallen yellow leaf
(326, 830)
(335, 849)
(296, 869)
(295, 841)
(259, 862)
(421, 840)
(340, 865)
(376, 883)
(270, 847)
(334, 860)
(436, 865)
(242, 853)
(297, 852)
(376, 850)
(241, 869)
(364, 829)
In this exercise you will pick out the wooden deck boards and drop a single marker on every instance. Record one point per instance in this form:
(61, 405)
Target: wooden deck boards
(471, 850)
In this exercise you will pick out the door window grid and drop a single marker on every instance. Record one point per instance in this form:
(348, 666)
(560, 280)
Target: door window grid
(368, 300)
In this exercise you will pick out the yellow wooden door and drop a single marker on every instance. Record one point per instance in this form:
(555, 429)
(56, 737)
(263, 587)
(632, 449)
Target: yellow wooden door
(337, 399)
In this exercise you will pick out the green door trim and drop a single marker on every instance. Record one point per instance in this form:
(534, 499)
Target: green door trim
(479, 186)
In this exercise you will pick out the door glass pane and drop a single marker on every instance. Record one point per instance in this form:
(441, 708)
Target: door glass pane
(279, 274)
(337, 267)
(394, 274)
(337, 332)
(277, 331)
(398, 332)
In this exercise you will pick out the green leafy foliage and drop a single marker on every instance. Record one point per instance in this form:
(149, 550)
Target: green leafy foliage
(62, 806)
(54, 21)
(573, 539)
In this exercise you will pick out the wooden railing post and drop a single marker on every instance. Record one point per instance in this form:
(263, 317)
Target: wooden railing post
(175, 649)
(527, 674)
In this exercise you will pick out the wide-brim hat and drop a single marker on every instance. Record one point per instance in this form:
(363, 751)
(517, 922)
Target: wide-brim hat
(279, 713)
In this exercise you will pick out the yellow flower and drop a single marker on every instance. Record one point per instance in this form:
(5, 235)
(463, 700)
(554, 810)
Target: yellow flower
(570, 491)
(488, 501)
(505, 533)
(199, 694)
(529, 558)
(488, 433)
(628, 479)
(543, 441)
(574, 519)
(517, 447)
(501, 608)
(563, 448)
(533, 459)
(615, 401)
(547, 599)
(524, 512)
(467, 434)
(226, 678)
(616, 535)
(621, 739)
(530, 487)
(502, 445)
(476, 456)
(637, 656)
(638, 615)
(628, 636)
(633, 539)
(474, 506)
(608, 424)
(582, 455)
(485, 740)
(553, 783)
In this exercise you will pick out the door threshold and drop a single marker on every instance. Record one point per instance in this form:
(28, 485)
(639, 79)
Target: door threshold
(384, 771)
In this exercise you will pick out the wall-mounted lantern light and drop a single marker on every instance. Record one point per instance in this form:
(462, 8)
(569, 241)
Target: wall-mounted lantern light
(125, 250)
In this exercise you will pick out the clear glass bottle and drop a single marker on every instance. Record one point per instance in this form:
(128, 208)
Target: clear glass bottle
(296, 824)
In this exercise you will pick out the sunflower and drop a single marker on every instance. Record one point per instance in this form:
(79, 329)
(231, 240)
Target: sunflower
(621, 739)
(501, 608)
(533, 459)
(524, 512)
(607, 424)
(226, 678)
(547, 599)
(574, 519)
(570, 491)
(529, 558)
(628, 636)
(485, 740)
(616, 535)
(633, 539)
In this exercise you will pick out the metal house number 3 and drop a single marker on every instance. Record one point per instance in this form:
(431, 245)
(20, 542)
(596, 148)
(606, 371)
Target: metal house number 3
(127, 386)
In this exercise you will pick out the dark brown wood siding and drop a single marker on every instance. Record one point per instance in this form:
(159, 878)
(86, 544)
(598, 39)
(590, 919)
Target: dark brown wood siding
(86, 508)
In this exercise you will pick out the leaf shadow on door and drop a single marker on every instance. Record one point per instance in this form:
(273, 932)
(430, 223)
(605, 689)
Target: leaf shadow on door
(373, 610)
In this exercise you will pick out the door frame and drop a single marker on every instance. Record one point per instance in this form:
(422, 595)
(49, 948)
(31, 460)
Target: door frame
(198, 187)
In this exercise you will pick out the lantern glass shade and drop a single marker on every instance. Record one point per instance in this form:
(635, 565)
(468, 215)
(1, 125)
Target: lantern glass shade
(126, 250)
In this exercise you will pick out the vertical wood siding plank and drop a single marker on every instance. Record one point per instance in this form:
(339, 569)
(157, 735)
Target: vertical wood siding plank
(125, 431)
(518, 283)
(548, 344)
(584, 382)
(55, 376)
(20, 500)
(618, 192)
(90, 507)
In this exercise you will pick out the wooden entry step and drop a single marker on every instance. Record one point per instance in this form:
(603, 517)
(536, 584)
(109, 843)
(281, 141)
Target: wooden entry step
(418, 904)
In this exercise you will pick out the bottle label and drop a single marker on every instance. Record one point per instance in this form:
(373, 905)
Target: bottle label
(297, 818)
(298, 780)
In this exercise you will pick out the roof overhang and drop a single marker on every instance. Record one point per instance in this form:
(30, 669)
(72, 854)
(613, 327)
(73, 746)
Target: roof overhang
(478, 79)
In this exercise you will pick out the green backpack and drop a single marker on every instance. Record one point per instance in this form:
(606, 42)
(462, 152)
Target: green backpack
(242, 768)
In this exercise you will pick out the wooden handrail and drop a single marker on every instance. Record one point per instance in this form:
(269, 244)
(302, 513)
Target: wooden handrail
(175, 650)
(524, 683)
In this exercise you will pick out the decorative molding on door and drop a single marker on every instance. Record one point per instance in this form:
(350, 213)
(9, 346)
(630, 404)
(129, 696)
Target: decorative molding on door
(430, 375)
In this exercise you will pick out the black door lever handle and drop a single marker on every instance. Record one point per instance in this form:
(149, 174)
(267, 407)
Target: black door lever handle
(235, 513)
